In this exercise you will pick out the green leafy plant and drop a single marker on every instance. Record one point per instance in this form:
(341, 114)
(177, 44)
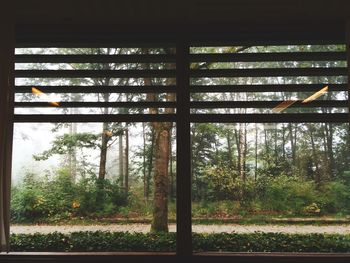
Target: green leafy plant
(230, 242)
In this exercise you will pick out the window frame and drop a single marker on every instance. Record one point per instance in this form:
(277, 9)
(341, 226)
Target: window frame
(183, 120)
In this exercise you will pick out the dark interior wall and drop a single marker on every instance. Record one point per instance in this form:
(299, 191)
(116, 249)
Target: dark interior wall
(169, 11)
(200, 14)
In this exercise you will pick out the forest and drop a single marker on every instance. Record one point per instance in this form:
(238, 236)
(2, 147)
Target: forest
(120, 171)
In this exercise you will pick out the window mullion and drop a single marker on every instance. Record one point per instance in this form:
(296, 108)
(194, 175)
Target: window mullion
(183, 189)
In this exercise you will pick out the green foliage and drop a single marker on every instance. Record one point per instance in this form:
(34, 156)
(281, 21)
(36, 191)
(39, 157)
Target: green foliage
(289, 194)
(218, 209)
(91, 189)
(27, 199)
(223, 183)
(230, 242)
(335, 197)
(271, 242)
(57, 198)
(94, 241)
(66, 144)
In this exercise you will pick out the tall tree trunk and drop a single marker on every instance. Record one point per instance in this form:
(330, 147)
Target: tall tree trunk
(229, 148)
(283, 141)
(291, 139)
(244, 153)
(241, 141)
(103, 153)
(256, 153)
(102, 168)
(325, 147)
(329, 148)
(150, 97)
(144, 161)
(73, 154)
(73, 132)
(239, 155)
(275, 144)
(104, 138)
(161, 176)
(314, 154)
(126, 180)
(121, 161)
(160, 209)
(162, 141)
(194, 153)
(105, 126)
(266, 142)
(150, 164)
(171, 174)
(241, 144)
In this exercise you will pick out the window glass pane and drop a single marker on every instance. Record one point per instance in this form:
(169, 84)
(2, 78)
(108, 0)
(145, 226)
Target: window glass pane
(93, 187)
(262, 187)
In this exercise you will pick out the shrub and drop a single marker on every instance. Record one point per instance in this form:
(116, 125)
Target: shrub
(230, 242)
(335, 197)
(224, 183)
(58, 197)
(218, 209)
(271, 242)
(28, 201)
(289, 194)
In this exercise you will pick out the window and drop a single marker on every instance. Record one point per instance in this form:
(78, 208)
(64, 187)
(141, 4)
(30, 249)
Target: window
(269, 147)
(94, 146)
(256, 93)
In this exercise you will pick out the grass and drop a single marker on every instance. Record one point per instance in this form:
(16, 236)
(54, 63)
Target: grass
(247, 220)
(204, 213)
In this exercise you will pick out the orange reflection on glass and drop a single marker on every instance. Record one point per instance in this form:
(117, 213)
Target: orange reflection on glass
(316, 95)
(283, 105)
(42, 94)
(108, 133)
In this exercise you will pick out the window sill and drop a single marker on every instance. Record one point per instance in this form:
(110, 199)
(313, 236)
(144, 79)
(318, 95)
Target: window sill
(171, 257)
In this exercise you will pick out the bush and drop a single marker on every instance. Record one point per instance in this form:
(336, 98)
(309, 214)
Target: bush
(218, 210)
(271, 242)
(28, 201)
(335, 197)
(224, 183)
(289, 194)
(58, 197)
(99, 198)
(230, 242)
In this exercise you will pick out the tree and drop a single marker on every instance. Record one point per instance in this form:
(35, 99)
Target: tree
(162, 141)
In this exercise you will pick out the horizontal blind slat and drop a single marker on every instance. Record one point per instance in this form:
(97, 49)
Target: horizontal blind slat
(97, 89)
(139, 104)
(268, 72)
(95, 73)
(94, 58)
(265, 57)
(267, 104)
(267, 88)
(271, 118)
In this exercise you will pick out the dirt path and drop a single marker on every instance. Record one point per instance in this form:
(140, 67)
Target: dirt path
(302, 229)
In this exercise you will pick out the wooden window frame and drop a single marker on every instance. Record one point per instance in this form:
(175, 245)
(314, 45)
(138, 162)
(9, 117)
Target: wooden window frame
(184, 221)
